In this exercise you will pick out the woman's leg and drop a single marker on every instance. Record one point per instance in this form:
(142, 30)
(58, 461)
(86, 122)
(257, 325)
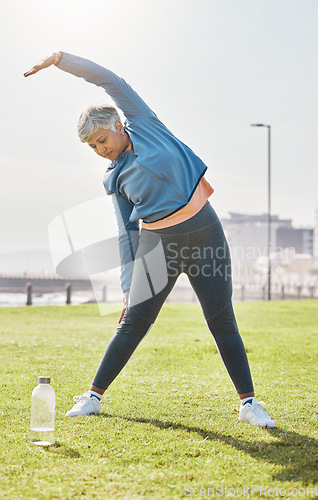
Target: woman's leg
(130, 332)
(209, 272)
(208, 266)
(151, 284)
(150, 287)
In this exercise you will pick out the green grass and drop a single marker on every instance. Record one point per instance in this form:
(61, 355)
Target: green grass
(169, 422)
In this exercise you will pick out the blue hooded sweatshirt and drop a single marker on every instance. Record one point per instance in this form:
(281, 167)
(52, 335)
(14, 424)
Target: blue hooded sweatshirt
(152, 181)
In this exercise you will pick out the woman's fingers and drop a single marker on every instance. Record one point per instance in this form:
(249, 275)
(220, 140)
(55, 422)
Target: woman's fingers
(125, 301)
(122, 314)
(45, 63)
(32, 71)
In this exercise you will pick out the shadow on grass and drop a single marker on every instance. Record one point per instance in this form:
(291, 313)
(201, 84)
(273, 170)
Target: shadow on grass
(295, 453)
(62, 450)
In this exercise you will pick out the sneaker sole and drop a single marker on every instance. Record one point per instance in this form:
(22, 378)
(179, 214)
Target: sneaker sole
(268, 426)
(81, 414)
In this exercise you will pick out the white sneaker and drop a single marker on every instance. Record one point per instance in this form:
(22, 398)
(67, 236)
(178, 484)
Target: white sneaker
(86, 405)
(256, 414)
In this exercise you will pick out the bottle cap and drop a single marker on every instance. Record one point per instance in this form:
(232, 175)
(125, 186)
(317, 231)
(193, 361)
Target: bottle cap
(44, 380)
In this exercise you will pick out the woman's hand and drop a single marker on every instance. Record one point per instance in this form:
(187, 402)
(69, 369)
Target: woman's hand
(45, 63)
(125, 301)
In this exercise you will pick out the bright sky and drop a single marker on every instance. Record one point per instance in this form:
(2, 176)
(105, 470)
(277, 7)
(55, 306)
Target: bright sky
(208, 69)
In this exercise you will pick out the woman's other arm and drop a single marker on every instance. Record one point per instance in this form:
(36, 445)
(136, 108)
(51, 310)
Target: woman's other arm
(128, 238)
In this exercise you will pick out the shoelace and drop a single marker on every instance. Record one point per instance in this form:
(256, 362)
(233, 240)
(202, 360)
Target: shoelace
(79, 398)
(260, 410)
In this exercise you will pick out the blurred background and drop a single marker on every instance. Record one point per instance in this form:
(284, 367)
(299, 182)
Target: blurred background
(209, 69)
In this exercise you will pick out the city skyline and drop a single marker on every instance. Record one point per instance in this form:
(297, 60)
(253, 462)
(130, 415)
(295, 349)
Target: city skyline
(39, 261)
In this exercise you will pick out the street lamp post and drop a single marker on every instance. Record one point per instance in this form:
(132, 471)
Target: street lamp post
(269, 234)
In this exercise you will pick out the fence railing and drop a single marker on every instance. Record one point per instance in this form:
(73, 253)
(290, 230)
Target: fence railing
(68, 294)
(242, 291)
(279, 291)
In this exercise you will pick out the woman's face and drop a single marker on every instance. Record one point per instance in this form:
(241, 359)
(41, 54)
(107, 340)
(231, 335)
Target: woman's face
(109, 144)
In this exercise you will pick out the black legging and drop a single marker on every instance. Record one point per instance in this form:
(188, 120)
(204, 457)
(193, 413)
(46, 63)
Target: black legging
(199, 248)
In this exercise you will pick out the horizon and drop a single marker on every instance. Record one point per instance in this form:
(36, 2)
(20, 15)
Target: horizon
(22, 258)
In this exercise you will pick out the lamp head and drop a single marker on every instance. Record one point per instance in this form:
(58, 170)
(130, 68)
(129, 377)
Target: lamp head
(260, 125)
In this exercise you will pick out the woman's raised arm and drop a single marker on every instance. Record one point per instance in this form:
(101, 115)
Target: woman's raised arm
(122, 94)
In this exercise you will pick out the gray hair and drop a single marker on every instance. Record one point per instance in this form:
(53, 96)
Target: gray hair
(95, 117)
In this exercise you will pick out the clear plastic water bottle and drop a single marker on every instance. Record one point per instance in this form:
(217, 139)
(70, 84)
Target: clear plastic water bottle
(42, 413)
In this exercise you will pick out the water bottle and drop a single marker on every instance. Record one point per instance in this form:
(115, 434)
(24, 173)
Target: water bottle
(42, 413)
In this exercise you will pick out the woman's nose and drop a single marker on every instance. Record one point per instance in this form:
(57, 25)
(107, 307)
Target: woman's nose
(101, 149)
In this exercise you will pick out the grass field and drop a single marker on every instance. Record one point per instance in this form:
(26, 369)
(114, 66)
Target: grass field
(169, 424)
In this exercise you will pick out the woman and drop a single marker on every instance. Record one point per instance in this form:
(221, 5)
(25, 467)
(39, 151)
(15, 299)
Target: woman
(155, 178)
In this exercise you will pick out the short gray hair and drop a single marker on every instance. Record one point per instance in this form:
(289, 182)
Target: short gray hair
(95, 117)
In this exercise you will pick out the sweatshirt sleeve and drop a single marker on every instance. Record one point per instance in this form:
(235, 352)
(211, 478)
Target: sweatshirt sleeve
(121, 93)
(128, 238)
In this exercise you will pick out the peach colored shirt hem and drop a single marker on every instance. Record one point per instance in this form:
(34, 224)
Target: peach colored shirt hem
(198, 200)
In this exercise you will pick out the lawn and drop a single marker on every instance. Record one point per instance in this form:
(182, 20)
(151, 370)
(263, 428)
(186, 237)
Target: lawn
(169, 424)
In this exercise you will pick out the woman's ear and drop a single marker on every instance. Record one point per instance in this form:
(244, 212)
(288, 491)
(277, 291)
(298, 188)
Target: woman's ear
(120, 128)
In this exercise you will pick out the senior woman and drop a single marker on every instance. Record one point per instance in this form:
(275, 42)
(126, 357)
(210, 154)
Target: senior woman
(158, 183)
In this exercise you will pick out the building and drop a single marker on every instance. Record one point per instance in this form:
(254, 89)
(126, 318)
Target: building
(302, 240)
(248, 239)
(248, 235)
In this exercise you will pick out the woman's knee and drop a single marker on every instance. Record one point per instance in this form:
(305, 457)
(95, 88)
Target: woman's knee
(133, 324)
(223, 322)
